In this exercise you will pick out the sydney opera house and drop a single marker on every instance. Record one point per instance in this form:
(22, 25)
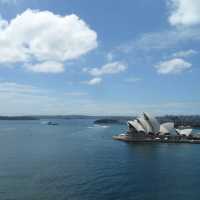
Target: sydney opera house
(147, 128)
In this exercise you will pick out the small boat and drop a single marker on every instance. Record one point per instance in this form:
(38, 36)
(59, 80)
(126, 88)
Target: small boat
(52, 123)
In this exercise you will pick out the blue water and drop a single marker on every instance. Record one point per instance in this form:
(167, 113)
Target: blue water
(79, 161)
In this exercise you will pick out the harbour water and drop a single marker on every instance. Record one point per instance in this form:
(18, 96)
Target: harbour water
(78, 160)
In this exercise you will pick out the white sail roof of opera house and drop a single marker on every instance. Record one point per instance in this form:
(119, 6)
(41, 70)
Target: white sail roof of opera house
(146, 123)
(138, 127)
(153, 122)
(185, 132)
(167, 128)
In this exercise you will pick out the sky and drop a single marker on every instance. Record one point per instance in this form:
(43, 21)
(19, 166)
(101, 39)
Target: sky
(108, 57)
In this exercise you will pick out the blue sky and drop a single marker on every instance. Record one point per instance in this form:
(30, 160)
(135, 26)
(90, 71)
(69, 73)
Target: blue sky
(103, 57)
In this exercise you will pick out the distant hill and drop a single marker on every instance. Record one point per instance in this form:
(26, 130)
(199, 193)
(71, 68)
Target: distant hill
(179, 120)
(18, 118)
(108, 121)
(69, 117)
(182, 120)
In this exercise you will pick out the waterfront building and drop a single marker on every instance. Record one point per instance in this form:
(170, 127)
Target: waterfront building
(147, 125)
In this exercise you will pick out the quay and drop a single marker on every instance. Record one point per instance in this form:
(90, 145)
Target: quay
(126, 138)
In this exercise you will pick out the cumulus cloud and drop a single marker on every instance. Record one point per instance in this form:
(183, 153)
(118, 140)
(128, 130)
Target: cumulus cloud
(184, 12)
(42, 36)
(94, 81)
(174, 66)
(184, 54)
(109, 68)
(46, 67)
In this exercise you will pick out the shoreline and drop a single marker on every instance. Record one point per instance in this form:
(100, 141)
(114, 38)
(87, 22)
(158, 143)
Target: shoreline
(126, 138)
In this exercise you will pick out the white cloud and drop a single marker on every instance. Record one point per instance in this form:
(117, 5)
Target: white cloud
(109, 68)
(76, 94)
(85, 69)
(94, 81)
(8, 1)
(132, 79)
(24, 99)
(184, 54)
(20, 99)
(12, 87)
(161, 40)
(174, 66)
(42, 36)
(46, 67)
(110, 57)
(184, 12)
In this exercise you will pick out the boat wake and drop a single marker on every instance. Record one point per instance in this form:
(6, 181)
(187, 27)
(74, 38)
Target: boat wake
(99, 126)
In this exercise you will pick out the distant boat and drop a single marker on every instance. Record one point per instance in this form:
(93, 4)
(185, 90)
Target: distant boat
(52, 123)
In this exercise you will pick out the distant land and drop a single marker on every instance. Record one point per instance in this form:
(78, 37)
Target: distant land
(39, 117)
(18, 118)
(179, 120)
(108, 121)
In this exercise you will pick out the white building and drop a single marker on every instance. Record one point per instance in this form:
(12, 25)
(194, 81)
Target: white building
(149, 125)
